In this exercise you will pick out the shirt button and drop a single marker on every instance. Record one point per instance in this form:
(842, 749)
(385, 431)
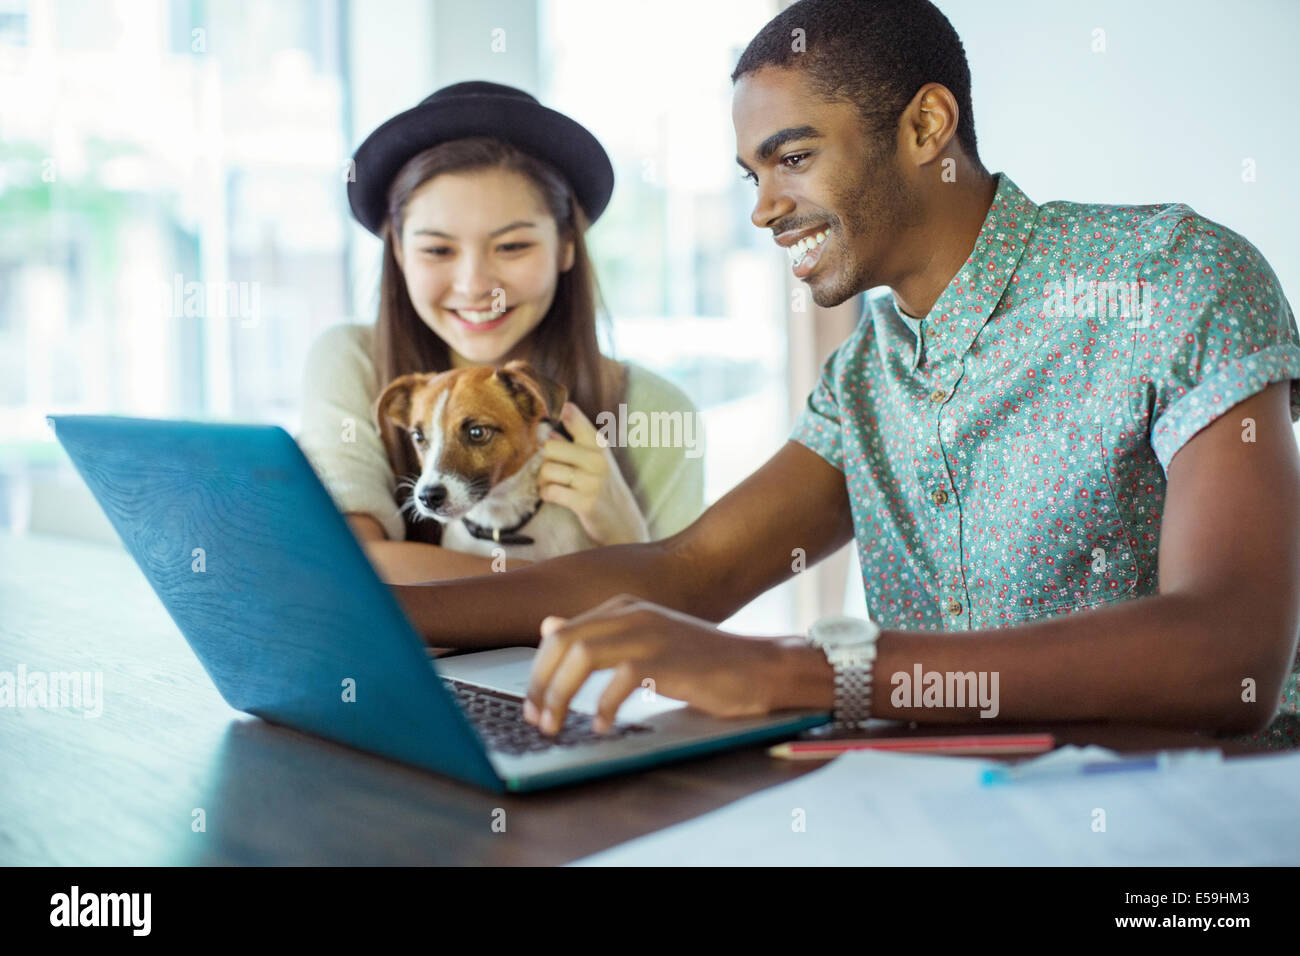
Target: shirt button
(954, 606)
(939, 496)
(937, 396)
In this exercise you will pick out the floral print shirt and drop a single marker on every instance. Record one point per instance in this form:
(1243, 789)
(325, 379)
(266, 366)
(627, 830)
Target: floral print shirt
(1007, 456)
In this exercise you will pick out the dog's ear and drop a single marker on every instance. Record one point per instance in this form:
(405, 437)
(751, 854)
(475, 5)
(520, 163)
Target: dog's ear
(394, 402)
(536, 395)
(392, 410)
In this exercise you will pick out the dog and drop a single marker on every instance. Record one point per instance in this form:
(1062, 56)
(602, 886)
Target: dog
(478, 434)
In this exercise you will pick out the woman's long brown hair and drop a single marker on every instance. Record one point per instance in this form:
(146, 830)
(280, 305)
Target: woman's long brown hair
(563, 346)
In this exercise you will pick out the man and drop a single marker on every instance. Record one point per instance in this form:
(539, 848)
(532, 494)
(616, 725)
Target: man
(1094, 496)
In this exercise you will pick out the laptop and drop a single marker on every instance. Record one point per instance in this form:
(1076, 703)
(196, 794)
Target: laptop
(263, 576)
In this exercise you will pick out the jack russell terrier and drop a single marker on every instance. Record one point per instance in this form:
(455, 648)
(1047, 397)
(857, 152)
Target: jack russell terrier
(478, 433)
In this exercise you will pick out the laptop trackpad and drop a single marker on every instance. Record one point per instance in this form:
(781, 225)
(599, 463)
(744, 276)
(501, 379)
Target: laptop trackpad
(508, 669)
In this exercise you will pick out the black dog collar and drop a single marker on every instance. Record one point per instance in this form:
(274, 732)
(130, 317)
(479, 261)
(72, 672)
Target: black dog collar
(559, 427)
(504, 535)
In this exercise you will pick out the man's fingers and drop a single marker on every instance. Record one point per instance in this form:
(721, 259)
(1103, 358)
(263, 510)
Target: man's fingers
(550, 624)
(582, 658)
(626, 679)
(558, 633)
(550, 651)
(573, 671)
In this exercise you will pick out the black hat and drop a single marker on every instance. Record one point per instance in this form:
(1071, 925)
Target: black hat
(478, 108)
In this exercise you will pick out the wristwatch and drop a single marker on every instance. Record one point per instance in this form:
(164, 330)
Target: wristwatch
(849, 644)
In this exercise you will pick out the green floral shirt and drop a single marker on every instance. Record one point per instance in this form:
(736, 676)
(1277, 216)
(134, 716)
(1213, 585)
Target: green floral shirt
(1007, 456)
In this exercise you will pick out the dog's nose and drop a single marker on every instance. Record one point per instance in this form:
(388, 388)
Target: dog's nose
(434, 495)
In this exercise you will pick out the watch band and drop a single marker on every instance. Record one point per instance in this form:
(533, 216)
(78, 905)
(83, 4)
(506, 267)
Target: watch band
(850, 647)
(852, 694)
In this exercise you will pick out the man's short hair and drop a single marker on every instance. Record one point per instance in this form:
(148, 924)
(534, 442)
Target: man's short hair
(874, 54)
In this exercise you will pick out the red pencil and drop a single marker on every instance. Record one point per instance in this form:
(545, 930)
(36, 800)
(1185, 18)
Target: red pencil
(973, 745)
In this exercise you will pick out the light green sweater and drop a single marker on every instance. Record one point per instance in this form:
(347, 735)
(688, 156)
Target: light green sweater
(341, 441)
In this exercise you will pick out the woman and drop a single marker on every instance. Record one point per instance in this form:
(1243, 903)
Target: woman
(482, 197)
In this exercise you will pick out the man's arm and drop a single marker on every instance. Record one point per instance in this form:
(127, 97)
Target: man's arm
(1227, 611)
(736, 550)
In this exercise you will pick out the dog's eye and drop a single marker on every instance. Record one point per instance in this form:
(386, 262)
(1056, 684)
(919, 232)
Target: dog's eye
(478, 434)
(417, 436)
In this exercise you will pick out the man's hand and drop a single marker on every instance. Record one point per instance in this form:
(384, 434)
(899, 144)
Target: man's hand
(722, 674)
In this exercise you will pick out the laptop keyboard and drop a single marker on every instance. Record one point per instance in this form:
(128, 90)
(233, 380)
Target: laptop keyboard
(499, 719)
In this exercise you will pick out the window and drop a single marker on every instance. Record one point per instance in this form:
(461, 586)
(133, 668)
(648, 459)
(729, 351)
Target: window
(696, 293)
(172, 233)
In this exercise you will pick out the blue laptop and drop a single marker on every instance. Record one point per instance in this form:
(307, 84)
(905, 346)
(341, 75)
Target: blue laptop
(248, 553)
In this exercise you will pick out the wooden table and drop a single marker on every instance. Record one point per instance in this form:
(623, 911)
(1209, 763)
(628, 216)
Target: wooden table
(125, 788)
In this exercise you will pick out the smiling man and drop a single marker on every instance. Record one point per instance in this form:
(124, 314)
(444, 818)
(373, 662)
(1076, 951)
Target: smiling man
(1060, 435)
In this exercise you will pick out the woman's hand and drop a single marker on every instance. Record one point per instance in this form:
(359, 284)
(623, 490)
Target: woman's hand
(583, 476)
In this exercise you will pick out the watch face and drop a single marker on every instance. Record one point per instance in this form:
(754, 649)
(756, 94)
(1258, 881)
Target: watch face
(837, 631)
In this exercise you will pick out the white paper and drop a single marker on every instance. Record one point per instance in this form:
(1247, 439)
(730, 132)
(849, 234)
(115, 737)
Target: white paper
(873, 808)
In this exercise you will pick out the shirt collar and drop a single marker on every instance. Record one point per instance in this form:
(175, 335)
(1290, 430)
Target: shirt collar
(974, 292)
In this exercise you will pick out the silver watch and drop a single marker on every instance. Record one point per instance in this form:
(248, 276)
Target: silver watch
(849, 644)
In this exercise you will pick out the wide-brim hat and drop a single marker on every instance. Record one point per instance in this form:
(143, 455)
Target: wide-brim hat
(478, 108)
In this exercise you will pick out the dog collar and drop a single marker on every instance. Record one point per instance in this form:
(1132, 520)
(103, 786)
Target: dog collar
(559, 427)
(504, 535)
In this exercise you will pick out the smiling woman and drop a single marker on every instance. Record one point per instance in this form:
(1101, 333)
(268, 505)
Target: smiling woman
(483, 287)
(482, 206)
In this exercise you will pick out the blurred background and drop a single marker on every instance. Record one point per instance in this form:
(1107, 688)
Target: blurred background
(149, 144)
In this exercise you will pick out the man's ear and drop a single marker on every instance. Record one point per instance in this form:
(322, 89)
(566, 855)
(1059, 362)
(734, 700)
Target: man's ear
(536, 396)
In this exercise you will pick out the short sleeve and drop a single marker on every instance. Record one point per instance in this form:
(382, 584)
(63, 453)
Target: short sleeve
(668, 477)
(338, 436)
(817, 425)
(1220, 331)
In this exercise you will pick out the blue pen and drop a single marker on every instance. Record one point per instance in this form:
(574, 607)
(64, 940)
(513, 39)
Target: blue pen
(1161, 761)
